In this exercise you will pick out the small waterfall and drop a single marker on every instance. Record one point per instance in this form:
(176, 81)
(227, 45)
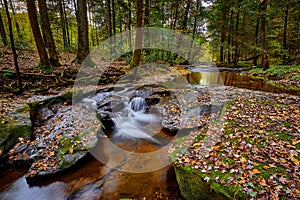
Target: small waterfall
(138, 104)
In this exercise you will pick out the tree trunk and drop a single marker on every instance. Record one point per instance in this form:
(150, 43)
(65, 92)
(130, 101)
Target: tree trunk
(229, 37)
(129, 24)
(108, 11)
(16, 21)
(236, 52)
(63, 22)
(2, 32)
(113, 17)
(198, 7)
(47, 33)
(138, 38)
(223, 36)
(176, 14)
(66, 25)
(13, 48)
(83, 33)
(264, 55)
(146, 24)
(256, 36)
(186, 15)
(44, 60)
(284, 43)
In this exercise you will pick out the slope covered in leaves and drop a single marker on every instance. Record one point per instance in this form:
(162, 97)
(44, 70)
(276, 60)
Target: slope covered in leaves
(257, 155)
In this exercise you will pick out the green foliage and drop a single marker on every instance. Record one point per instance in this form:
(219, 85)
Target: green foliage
(44, 68)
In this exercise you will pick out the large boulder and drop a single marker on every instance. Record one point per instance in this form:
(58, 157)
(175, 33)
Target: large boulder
(16, 123)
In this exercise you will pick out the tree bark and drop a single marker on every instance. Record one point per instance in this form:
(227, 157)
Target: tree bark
(44, 60)
(113, 17)
(129, 24)
(229, 37)
(236, 51)
(63, 22)
(256, 36)
(265, 63)
(83, 33)
(47, 33)
(2, 32)
(12, 43)
(16, 21)
(284, 43)
(138, 38)
(223, 36)
(108, 12)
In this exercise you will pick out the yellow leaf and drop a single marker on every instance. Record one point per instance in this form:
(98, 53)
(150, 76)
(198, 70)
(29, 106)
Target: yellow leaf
(294, 142)
(255, 171)
(295, 161)
(243, 159)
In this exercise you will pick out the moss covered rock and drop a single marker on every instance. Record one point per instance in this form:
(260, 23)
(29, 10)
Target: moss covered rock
(15, 124)
(192, 185)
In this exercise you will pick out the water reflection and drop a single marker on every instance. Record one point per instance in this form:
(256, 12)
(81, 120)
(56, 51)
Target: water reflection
(20, 190)
(206, 78)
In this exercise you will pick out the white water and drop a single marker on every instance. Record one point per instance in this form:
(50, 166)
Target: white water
(134, 123)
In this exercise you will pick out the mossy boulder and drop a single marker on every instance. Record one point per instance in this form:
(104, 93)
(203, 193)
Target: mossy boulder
(16, 124)
(193, 186)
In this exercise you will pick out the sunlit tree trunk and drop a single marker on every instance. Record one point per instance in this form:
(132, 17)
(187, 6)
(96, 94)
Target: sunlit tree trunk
(47, 33)
(12, 43)
(44, 60)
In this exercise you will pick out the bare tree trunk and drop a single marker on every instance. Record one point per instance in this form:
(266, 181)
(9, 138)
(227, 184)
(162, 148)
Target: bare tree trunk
(229, 37)
(83, 33)
(223, 37)
(44, 60)
(129, 24)
(2, 32)
(113, 17)
(265, 63)
(198, 7)
(256, 36)
(47, 33)
(176, 14)
(108, 10)
(138, 38)
(12, 43)
(284, 43)
(16, 21)
(66, 25)
(236, 51)
(63, 22)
